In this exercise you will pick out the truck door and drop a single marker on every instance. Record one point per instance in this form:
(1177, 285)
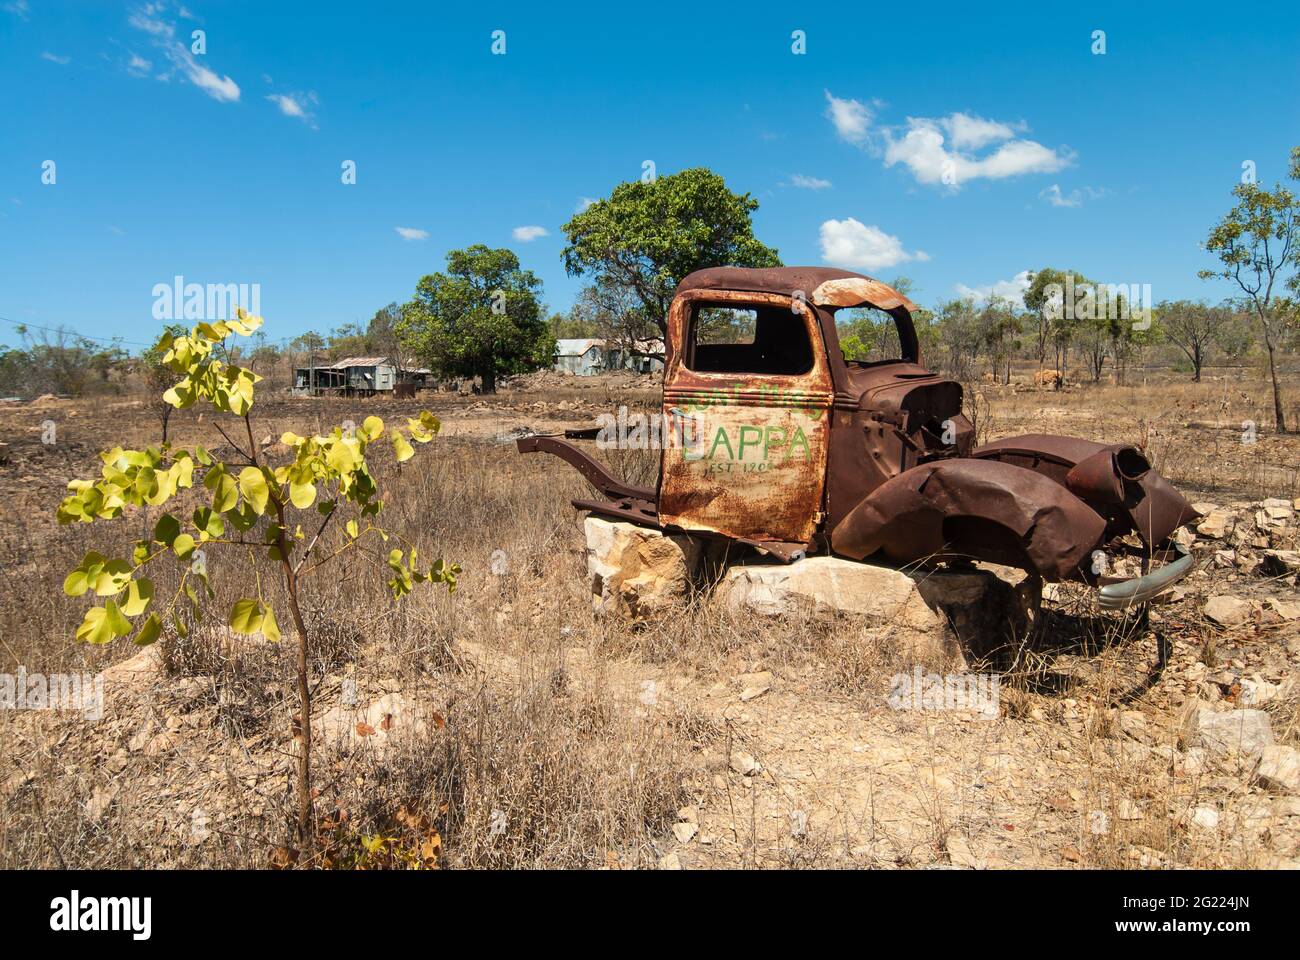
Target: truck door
(747, 396)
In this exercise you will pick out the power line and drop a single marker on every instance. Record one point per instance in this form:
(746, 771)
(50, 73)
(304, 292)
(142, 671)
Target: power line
(111, 340)
(74, 333)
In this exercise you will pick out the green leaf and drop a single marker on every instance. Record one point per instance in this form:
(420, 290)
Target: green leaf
(301, 495)
(150, 631)
(209, 523)
(112, 578)
(402, 450)
(246, 616)
(225, 492)
(270, 629)
(138, 595)
(243, 519)
(423, 428)
(372, 428)
(86, 574)
(95, 628)
(339, 457)
(183, 546)
(352, 529)
(252, 484)
(118, 624)
(167, 529)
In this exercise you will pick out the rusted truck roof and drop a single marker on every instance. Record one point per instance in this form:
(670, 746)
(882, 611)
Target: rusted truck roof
(822, 285)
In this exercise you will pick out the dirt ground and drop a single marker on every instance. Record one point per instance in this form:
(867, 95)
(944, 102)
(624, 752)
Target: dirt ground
(513, 727)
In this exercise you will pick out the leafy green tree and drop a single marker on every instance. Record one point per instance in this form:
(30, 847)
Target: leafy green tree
(1257, 243)
(1193, 328)
(481, 318)
(646, 236)
(348, 340)
(251, 507)
(571, 326)
(1000, 327)
(958, 338)
(1056, 327)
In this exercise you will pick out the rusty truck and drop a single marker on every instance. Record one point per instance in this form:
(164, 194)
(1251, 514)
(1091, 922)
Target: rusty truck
(784, 444)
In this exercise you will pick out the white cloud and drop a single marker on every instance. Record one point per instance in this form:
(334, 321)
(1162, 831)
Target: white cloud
(583, 204)
(529, 234)
(18, 8)
(1013, 289)
(288, 104)
(849, 243)
(297, 105)
(852, 118)
(1054, 196)
(138, 65)
(971, 133)
(922, 150)
(218, 87)
(948, 150)
(412, 233)
(55, 58)
(808, 183)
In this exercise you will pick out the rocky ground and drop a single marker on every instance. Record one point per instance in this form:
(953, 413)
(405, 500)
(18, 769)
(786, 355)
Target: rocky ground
(555, 715)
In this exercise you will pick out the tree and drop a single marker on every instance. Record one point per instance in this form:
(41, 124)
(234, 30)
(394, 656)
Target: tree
(1236, 338)
(257, 511)
(1056, 325)
(158, 375)
(1193, 328)
(348, 340)
(481, 318)
(960, 337)
(1000, 328)
(1257, 241)
(648, 235)
(615, 313)
(571, 326)
(381, 334)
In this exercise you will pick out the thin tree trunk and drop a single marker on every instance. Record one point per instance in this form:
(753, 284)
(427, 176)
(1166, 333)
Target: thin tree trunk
(306, 831)
(1278, 414)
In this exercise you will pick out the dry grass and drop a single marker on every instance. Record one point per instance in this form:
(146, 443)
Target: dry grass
(549, 755)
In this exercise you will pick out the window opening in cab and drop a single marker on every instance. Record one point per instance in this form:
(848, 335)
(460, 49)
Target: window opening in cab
(867, 335)
(765, 340)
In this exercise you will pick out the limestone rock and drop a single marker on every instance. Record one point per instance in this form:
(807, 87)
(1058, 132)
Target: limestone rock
(829, 585)
(638, 572)
(1279, 768)
(1278, 563)
(1216, 524)
(1226, 611)
(144, 667)
(376, 725)
(936, 612)
(1238, 736)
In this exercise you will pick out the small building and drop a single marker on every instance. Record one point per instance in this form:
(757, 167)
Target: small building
(581, 358)
(360, 376)
(585, 357)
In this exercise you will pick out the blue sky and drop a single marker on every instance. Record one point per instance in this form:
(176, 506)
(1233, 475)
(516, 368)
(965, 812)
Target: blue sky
(225, 167)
